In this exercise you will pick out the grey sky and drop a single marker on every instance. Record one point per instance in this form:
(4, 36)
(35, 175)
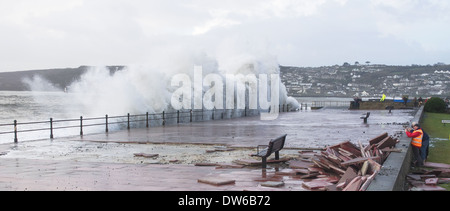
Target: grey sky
(36, 34)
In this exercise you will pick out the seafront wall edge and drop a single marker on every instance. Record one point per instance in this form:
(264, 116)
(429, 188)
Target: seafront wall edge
(392, 175)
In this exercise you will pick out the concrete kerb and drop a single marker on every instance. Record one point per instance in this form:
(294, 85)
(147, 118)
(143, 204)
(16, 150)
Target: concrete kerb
(392, 175)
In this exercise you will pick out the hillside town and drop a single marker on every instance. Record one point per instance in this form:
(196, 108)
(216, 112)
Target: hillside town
(368, 80)
(347, 80)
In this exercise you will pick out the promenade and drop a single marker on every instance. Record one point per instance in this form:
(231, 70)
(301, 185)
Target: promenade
(105, 161)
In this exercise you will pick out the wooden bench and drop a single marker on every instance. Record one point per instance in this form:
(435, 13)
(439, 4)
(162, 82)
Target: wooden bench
(275, 145)
(365, 116)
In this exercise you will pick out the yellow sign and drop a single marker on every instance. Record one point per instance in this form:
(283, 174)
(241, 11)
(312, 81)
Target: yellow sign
(383, 98)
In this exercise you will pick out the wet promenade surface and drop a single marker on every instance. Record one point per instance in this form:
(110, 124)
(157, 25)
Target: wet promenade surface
(106, 161)
(305, 129)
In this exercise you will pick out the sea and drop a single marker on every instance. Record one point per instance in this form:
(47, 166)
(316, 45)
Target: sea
(34, 107)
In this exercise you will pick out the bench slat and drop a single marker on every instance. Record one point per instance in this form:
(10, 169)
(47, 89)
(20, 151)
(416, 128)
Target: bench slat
(262, 153)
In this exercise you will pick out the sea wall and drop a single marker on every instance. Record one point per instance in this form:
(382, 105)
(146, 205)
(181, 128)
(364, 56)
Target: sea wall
(377, 105)
(392, 175)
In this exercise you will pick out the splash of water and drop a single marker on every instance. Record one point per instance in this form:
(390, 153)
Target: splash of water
(140, 89)
(38, 83)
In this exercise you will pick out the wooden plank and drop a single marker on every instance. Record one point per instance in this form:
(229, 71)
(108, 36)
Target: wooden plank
(443, 172)
(316, 184)
(349, 175)
(337, 169)
(146, 155)
(309, 176)
(216, 181)
(229, 166)
(320, 164)
(295, 164)
(315, 170)
(272, 184)
(206, 164)
(354, 185)
(373, 166)
(327, 163)
(429, 188)
(387, 142)
(303, 171)
(431, 181)
(287, 172)
(444, 180)
(348, 146)
(368, 181)
(414, 176)
(363, 153)
(436, 165)
(248, 162)
(364, 168)
(378, 139)
(357, 161)
(344, 158)
(346, 153)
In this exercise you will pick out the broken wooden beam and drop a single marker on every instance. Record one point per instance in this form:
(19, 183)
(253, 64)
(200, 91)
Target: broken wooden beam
(216, 181)
(357, 161)
(387, 142)
(316, 184)
(436, 165)
(378, 139)
(431, 181)
(299, 164)
(354, 185)
(146, 155)
(368, 181)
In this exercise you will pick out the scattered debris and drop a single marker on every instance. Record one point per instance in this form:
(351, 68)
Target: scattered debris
(355, 165)
(428, 177)
(342, 167)
(220, 149)
(229, 166)
(316, 185)
(272, 184)
(146, 155)
(206, 164)
(247, 162)
(216, 181)
(253, 162)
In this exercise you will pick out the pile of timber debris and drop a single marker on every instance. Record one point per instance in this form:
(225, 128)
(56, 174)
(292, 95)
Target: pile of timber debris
(346, 166)
(429, 176)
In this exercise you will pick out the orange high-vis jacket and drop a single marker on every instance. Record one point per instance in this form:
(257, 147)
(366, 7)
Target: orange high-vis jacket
(416, 136)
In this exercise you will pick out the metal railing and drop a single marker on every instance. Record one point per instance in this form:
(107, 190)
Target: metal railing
(325, 104)
(128, 121)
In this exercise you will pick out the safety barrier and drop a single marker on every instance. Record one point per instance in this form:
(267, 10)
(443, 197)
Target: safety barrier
(128, 121)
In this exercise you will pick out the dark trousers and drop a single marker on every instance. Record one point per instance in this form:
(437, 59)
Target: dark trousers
(417, 157)
(424, 149)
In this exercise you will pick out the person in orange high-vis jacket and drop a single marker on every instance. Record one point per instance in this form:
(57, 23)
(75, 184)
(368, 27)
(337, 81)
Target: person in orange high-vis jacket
(417, 135)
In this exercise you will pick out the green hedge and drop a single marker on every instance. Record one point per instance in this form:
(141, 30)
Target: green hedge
(435, 105)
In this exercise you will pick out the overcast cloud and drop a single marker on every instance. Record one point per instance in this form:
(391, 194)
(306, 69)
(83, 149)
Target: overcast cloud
(37, 34)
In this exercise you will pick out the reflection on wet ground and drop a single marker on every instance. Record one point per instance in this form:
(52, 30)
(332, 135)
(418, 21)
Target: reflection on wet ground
(316, 128)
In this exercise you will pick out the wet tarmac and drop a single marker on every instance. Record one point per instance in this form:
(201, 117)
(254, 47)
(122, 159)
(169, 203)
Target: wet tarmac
(307, 129)
(106, 161)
